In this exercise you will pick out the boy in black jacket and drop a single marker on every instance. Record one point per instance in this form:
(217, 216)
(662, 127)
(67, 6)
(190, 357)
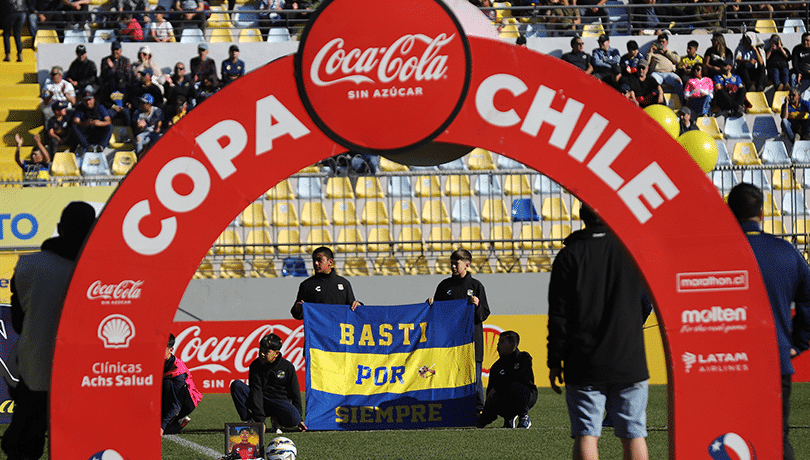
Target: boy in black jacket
(511, 391)
(273, 389)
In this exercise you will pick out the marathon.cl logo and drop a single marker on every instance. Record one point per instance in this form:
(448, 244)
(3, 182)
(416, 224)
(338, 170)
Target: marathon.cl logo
(733, 280)
(714, 319)
(383, 85)
(731, 446)
(119, 293)
(116, 331)
(715, 362)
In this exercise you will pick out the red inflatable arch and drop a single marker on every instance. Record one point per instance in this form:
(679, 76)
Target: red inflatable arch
(392, 89)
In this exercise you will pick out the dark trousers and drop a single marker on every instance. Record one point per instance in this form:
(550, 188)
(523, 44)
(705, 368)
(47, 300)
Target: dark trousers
(176, 403)
(25, 436)
(280, 409)
(516, 400)
(786, 446)
(726, 101)
(479, 386)
(13, 25)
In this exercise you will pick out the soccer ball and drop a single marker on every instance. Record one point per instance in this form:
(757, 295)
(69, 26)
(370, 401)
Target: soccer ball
(281, 448)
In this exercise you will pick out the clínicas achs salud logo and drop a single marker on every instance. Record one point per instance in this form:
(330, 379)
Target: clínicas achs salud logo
(390, 84)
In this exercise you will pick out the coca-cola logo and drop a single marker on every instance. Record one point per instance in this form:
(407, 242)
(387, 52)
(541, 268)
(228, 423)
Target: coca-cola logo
(124, 290)
(391, 85)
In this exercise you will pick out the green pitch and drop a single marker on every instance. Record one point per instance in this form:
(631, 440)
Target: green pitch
(547, 439)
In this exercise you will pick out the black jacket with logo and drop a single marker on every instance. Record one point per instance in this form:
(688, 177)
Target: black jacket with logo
(276, 380)
(455, 288)
(330, 289)
(509, 369)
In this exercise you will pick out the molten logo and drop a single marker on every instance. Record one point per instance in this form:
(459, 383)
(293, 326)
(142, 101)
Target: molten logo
(125, 290)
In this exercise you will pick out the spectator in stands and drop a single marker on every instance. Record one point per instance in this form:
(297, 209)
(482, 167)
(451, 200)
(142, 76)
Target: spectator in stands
(92, 127)
(750, 62)
(701, 14)
(136, 7)
(640, 88)
(233, 67)
(40, 160)
(180, 111)
(729, 92)
(631, 59)
(716, 56)
(145, 87)
(116, 73)
(190, 15)
(663, 62)
(75, 13)
(42, 11)
(269, 15)
(148, 125)
(161, 30)
(649, 19)
(686, 122)
(82, 71)
(56, 89)
(205, 89)
(795, 116)
(801, 60)
(699, 92)
(577, 56)
(563, 19)
(606, 61)
(57, 128)
(739, 16)
(685, 65)
(130, 29)
(777, 61)
(591, 9)
(202, 65)
(146, 61)
(14, 12)
(178, 85)
(117, 108)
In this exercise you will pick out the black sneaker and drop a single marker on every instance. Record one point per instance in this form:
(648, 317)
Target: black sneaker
(524, 422)
(510, 422)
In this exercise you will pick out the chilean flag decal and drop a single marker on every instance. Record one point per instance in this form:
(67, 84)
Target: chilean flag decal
(731, 446)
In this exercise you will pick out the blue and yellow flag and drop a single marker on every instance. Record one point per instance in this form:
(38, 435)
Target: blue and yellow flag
(390, 367)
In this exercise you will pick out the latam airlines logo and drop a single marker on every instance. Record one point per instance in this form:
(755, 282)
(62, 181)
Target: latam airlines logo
(390, 86)
(715, 362)
(731, 446)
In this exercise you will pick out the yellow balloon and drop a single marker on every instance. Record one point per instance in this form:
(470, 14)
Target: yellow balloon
(701, 147)
(666, 118)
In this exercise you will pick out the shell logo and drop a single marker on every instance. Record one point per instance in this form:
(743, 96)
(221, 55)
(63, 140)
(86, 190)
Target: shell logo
(491, 335)
(116, 331)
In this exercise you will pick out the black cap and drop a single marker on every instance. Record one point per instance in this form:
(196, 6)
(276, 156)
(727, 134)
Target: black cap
(233, 48)
(116, 45)
(81, 49)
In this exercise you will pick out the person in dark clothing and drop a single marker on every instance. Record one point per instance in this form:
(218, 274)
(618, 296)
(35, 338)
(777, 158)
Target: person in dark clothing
(178, 85)
(685, 120)
(511, 391)
(82, 71)
(325, 286)
(179, 396)
(462, 286)
(202, 66)
(14, 14)
(597, 309)
(273, 389)
(91, 125)
(787, 280)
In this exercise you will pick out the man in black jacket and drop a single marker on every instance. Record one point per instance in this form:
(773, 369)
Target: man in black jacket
(511, 391)
(597, 309)
(82, 71)
(272, 389)
(463, 286)
(325, 286)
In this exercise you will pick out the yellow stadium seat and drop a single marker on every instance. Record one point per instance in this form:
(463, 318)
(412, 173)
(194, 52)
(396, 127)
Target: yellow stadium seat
(379, 239)
(471, 238)
(442, 265)
(339, 187)
(509, 29)
(594, 29)
(404, 213)
(229, 242)
(427, 186)
(558, 233)
(517, 184)
(769, 207)
(783, 179)
(258, 241)
(387, 165)
(457, 186)
(498, 234)
(481, 264)
(745, 153)
(480, 159)
(219, 18)
(45, 36)
(254, 216)
(369, 187)
(122, 138)
(554, 208)
(531, 237)
(318, 237)
(289, 241)
(502, 9)
(508, 263)
(205, 270)
(374, 213)
(387, 265)
(778, 99)
(410, 239)
(252, 35)
(575, 208)
(766, 26)
(417, 265)
(313, 214)
(231, 268)
(435, 212)
(759, 103)
(344, 213)
(441, 239)
(284, 215)
(801, 227)
(263, 268)
(709, 126)
(65, 164)
(355, 266)
(123, 161)
(536, 263)
(218, 35)
(673, 103)
(774, 227)
(494, 210)
(311, 169)
(282, 191)
(350, 240)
